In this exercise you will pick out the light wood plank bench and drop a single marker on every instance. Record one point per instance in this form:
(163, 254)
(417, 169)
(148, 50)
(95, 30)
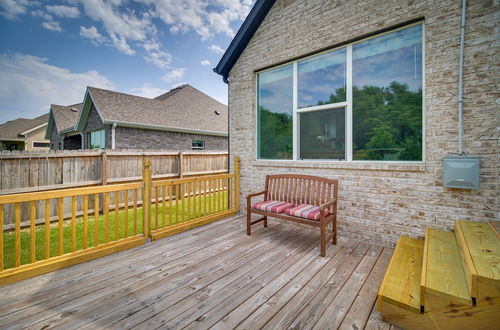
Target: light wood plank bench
(303, 199)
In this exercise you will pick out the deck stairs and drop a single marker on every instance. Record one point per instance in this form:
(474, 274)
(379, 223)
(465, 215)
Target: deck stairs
(446, 281)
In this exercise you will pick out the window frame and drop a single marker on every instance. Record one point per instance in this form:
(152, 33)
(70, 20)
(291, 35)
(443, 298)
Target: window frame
(197, 148)
(89, 135)
(33, 144)
(348, 105)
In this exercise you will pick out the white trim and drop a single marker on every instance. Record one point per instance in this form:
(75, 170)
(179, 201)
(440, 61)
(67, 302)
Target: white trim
(34, 128)
(348, 109)
(423, 92)
(323, 107)
(295, 117)
(165, 128)
(113, 136)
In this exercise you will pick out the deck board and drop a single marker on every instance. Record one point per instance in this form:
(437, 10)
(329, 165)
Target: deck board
(211, 276)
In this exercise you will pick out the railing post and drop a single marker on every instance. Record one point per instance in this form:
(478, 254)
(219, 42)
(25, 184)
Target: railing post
(146, 198)
(237, 182)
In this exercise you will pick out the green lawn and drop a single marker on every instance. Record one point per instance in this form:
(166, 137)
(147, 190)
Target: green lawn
(54, 230)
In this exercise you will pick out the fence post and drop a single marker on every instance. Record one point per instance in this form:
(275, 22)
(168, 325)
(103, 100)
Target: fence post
(237, 182)
(104, 174)
(181, 162)
(146, 198)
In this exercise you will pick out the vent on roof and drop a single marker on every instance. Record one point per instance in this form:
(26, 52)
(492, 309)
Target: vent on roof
(217, 112)
(74, 109)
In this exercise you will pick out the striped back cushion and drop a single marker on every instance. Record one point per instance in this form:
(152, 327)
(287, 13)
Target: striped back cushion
(306, 211)
(273, 206)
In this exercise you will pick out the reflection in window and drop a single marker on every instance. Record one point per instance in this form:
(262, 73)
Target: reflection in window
(322, 79)
(274, 115)
(97, 139)
(322, 134)
(387, 96)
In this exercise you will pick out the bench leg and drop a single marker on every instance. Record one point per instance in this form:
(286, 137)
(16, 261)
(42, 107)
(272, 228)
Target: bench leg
(265, 221)
(249, 222)
(334, 228)
(323, 241)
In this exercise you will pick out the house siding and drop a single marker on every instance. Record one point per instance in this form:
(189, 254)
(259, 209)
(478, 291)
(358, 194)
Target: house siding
(94, 123)
(134, 138)
(55, 139)
(37, 135)
(379, 202)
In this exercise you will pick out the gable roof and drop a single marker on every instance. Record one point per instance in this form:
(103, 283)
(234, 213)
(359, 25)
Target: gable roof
(63, 118)
(15, 130)
(243, 37)
(184, 109)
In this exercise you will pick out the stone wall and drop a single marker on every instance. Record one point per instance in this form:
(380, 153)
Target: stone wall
(380, 202)
(134, 138)
(55, 139)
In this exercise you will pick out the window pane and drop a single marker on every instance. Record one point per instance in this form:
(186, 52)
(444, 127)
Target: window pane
(387, 96)
(322, 134)
(274, 115)
(321, 79)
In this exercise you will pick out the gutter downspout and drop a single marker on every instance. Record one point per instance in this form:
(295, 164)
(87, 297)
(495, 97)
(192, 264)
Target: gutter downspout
(460, 79)
(82, 145)
(113, 136)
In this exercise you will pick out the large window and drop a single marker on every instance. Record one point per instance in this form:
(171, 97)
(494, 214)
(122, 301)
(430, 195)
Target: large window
(97, 139)
(362, 101)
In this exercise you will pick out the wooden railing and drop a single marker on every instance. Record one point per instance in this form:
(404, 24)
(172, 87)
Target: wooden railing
(113, 217)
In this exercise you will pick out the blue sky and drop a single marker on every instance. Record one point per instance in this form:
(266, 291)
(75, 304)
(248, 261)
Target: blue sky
(51, 50)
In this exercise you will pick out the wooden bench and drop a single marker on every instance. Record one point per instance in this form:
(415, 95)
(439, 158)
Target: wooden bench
(297, 190)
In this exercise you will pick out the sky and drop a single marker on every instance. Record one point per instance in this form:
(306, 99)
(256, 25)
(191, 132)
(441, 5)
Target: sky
(50, 51)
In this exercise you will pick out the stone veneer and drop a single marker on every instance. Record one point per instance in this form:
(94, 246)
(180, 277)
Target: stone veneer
(379, 202)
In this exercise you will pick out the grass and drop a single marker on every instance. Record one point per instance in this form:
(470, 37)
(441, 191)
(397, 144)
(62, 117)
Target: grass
(9, 243)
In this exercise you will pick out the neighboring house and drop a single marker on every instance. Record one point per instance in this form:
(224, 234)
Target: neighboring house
(181, 119)
(24, 134)
(366, 92)
(61, 127)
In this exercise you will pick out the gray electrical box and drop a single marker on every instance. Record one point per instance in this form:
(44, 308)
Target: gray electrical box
(461, 172)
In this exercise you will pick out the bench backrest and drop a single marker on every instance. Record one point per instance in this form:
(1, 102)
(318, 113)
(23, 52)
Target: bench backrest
(298, 189)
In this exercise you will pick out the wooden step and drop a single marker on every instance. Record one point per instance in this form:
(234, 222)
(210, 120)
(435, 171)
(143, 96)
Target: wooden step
(480, 247)
(443, 274)
(401, 284)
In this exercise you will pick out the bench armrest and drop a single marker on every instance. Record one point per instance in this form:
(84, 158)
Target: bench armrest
(327, 204)
(256, 194)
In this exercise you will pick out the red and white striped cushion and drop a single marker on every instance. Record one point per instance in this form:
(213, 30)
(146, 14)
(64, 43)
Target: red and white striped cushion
(273, 206)
(306, 211)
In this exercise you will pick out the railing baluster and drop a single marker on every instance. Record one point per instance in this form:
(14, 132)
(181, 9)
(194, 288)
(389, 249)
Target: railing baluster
(177, 203)
(106, 217)
(60, 229)
(125, 224)
(164, 208)
(156, 207)
(32, 231)
(17, 243)
(183, 199)
(195, 192)
(73, 223)
(85, 220)
(221, 194)
(170, 202)
(1, 237)
(117, 213)
(189, 200)
(96, 219)
(135, 212)
(47, 228)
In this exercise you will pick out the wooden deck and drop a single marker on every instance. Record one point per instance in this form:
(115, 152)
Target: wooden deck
(212, 276)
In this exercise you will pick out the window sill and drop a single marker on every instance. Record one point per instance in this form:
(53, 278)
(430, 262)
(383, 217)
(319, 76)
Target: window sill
(356, 165)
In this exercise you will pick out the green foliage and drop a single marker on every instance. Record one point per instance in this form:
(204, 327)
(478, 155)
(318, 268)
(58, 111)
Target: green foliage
(275, 138)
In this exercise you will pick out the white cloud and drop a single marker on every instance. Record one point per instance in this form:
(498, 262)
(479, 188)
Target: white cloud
(155, 55)
(41, 14)
(63, 11)
(147, 90)
(175, 85)
(52, 26)
(204, 17)
(205, 62)
(92, 34)
(28, 85)
(174, 75)
(10, 9)
(216, 49)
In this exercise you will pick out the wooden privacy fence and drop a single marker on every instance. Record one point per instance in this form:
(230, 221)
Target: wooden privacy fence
(112, 219)
(36, 171)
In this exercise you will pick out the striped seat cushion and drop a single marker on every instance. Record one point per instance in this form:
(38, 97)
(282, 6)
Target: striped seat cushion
(306, 211)
(273, 206)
